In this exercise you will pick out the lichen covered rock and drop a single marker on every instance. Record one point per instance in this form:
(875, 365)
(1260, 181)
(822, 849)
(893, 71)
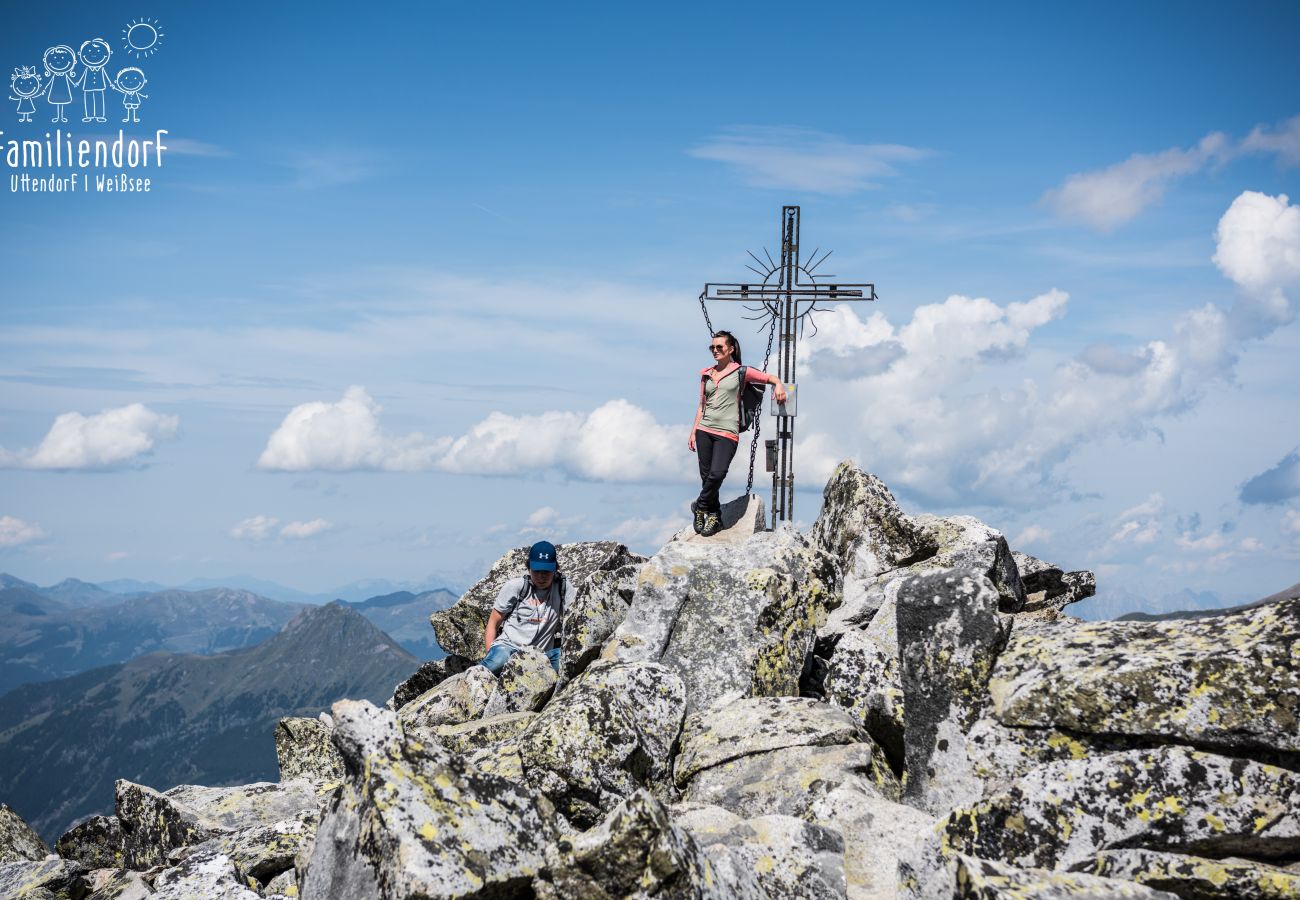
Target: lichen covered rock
(413, 820)
(949, 636)
(1195, 876)
(429, 675)
(1061, 814)
(479, 733)
(965, 542)
(594, 610)
(638, 852)
(303, 749)
(459, 628)
(865, 680)
(526, 681)
(17, 839)
(208, 874)
(607, 735)
(788, 857)
(876, 832)
(1048, 586)
(731, 621)
(97, 842)
(461, 698)
(1223, 682)
(982, 879)
(50, 878)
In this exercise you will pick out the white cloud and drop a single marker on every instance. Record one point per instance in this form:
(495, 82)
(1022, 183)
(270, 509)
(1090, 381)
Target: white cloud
(14, 531)
(1217, 551)
(106, 440)
(805, 160)
(255, 528)
(1139, 525)
(344, 436)
(299, 530)
(1109, 197)
(116, 556)
(1258, 242)
(1291, 522)
(647, 534)
(1032, 534)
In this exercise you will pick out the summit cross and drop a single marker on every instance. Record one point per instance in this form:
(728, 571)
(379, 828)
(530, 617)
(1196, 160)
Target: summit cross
(787, 294)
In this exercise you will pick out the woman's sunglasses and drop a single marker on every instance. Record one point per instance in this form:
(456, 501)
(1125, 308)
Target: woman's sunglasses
(717, 346)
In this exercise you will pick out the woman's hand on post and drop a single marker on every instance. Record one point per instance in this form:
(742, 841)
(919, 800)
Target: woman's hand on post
(779, 393)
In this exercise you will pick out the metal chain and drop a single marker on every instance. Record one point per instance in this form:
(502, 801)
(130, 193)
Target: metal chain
(758, 422)
(707, 321)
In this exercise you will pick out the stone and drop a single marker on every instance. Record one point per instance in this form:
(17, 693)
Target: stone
(758, 725)
(876, 833)
(97, 842)
(1175, 798)
(429, 675)
(265, 851)
(1000, 754)
(461, 698)
(1050, 587)
(591, 615)
(731, 621)
(459, 628)
(283, 885)
(638, 852)
(526, 681)
(303, 749)
(863, 528)
(982, 879)
(153, 824)
(205, 874)
(49, 878)
(414, 820)
(865, 679)
(1229, 682)
(1195, 876)
(791, 780)
(965, 542)
(741, 519)
(18, 840)
(607, 735)
(117, 884)
(479, 733)
(788, 857)
(949, 636)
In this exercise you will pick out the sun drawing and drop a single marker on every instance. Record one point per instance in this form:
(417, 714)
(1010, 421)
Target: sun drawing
(142, 37)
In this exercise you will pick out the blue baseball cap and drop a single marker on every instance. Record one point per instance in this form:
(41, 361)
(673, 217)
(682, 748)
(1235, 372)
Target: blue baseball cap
(542, 556)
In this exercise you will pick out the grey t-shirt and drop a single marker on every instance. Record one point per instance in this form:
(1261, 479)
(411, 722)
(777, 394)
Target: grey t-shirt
(536, 620)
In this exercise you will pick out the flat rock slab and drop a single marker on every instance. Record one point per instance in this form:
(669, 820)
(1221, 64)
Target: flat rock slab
(742, 518)
(1224, 682)
(982, 879)
(460, 698)
(1062, 814)
(480, 733)
(47, 879)
(1194, 876)
(526, 681)
(731, 621)
(876, 832)
(758, 725)
(204, 874)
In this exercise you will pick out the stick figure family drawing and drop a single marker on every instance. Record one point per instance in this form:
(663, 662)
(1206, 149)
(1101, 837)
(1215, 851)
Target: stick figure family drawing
(61, 71)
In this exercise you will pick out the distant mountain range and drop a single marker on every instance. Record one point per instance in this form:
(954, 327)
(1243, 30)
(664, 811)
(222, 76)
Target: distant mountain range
(1288, 594)
(168, 718)
(405, 618)
(54, 632)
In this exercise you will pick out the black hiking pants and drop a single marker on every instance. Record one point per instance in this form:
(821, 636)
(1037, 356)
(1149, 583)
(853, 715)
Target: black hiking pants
(715, 454)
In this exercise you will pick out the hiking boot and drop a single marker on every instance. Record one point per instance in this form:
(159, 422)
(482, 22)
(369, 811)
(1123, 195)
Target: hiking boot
(712, 524)
(699, 518)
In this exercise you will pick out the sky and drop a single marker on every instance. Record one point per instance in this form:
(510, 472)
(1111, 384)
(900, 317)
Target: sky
(416, 283)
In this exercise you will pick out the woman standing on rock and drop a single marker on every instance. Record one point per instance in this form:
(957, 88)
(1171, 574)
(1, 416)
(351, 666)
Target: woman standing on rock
(715, 433)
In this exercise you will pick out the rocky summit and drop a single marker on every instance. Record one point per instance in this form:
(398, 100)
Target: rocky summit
(886, 706)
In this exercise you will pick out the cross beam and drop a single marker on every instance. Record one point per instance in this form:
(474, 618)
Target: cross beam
(788, 293)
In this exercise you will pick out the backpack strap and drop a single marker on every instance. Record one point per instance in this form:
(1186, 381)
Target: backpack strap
(527, 589)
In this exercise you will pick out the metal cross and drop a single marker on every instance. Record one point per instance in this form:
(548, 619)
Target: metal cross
(785, 299)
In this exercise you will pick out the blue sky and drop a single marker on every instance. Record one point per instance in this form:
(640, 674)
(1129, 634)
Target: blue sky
(417, 282)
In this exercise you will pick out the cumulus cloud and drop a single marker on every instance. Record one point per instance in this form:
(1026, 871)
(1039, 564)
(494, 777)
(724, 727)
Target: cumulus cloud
(1032, 534)
(14, 531)
(254, 528)
(299, 530)
(1217, 551)
(344, 436)
(1276, 485)
(649, 533)
(1139, 525)
(1291, 522)
(933, 409)
(804, 160)
(107, 440)
(615, 442)
(1107, 198)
